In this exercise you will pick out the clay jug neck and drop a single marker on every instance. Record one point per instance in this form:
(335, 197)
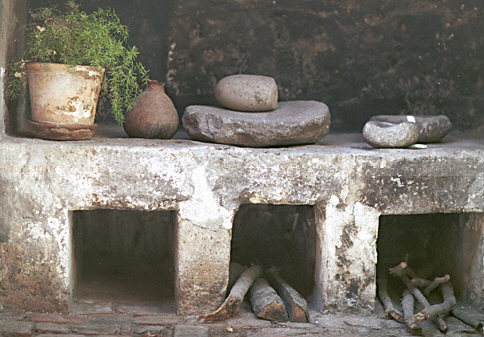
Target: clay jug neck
(155, 84)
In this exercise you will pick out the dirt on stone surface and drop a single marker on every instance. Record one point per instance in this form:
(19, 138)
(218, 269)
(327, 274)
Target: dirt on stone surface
(105, 319)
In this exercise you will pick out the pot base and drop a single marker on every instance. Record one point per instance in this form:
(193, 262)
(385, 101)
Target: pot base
(53, 131)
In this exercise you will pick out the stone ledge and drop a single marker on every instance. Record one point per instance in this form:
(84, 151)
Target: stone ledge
(349, 183)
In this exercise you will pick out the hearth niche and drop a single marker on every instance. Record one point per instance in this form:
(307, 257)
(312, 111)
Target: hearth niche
(433, 245)
(281, 236)
(124, 257)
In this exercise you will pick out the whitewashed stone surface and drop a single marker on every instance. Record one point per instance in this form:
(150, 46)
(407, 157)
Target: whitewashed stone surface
(349, 186)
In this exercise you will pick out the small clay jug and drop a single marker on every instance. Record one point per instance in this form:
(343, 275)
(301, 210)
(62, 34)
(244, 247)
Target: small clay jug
(153, 114)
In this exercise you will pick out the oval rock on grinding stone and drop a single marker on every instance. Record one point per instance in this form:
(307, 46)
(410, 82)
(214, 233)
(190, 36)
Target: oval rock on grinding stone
(292, 123)
(384, 134)
(252, 93)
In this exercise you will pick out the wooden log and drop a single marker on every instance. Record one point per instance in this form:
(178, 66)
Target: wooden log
(430, 330)
(435, 283)
(441, 324)
(235, 270)
(398, 269)
(421, 283)
(438, 309)
(415, 291)
(408, 307)
(424, 302)
(387, 301)
(231, 306)
(430, 285)
(266, 303)
(470, 317)
(402, 269)
(296, 305)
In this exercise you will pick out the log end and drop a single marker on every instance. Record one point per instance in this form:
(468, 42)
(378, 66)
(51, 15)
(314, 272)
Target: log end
(274, 312)
(299, 315)
(396, 315)
(421, 316)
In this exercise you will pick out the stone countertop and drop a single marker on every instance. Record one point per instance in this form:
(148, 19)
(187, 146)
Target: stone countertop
(334, 143)
(444, 176)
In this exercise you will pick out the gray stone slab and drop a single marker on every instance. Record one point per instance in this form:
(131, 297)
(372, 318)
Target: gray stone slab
(292, 123)
(15, 328)
(432, 128)
(190, 331)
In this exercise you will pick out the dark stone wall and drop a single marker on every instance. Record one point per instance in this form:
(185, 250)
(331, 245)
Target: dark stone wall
(384, 57)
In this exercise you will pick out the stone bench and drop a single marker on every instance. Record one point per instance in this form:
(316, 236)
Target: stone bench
(348, 183)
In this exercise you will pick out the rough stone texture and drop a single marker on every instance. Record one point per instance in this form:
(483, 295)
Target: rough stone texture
(432, 128)
(292, 123)
(392, 57)
(432, 67)
(190, 331)
(203, 257)
(29, 277)
(384, 134)
(245, 324)
(13, 15)
(247, 93)
(349, 183)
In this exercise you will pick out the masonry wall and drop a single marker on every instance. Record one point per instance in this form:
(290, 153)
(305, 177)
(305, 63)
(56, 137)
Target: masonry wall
(380, 57)
(350, 186)
(383, 58)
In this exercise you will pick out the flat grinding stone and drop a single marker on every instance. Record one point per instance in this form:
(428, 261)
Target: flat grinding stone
(388, 135)
(253, 93)
(432, 128)
(292, 123)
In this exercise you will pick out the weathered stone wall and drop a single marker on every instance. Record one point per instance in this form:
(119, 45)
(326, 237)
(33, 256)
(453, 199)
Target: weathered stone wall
(13, 15)
(349, 184)
(391, 57)
(381, 57)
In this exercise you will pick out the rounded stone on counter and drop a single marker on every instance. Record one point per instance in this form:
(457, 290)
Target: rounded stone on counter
(432, 128)
(292, 123)
(252, 93)
(389, 135)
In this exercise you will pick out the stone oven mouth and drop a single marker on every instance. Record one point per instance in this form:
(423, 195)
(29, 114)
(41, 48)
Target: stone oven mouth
(124, 257)
(278, 236)
(440, 247)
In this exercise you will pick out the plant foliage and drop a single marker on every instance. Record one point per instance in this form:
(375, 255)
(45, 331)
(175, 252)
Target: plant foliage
(74, 37)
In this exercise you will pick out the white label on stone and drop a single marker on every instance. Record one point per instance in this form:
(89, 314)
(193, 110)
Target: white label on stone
(411, 119)
(418, 146)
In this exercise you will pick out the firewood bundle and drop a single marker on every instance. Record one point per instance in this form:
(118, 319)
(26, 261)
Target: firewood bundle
(429, 321)
(271, 297)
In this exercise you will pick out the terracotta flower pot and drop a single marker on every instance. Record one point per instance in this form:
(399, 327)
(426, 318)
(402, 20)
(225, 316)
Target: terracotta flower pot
(63, 95)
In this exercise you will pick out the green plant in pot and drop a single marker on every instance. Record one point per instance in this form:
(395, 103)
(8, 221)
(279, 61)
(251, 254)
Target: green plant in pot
(64, 49)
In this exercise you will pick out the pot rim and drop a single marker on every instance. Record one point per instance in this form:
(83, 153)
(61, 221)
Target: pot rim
(40, 65)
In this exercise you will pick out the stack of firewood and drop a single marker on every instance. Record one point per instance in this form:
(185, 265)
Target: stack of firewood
(271, 297)
(429, 321)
